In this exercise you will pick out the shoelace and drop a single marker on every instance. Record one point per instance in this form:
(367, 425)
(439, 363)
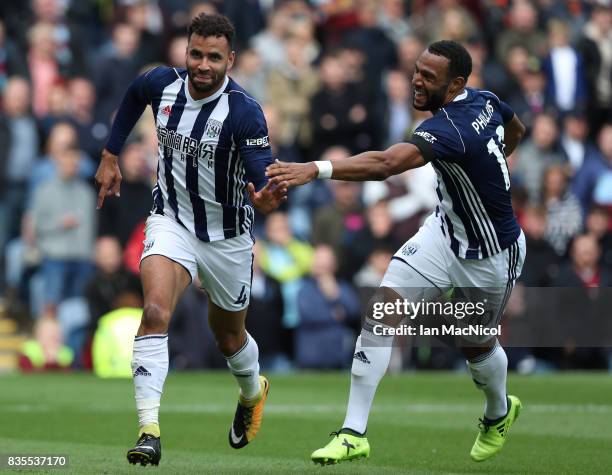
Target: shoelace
(247, 416)
(483, 425)
(144, 438)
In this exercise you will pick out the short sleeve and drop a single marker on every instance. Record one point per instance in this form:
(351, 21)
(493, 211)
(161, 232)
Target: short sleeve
(251, 138)
(506, 112)
(439, 139)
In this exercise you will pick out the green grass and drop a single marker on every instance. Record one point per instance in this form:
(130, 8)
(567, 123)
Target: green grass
(421, 423)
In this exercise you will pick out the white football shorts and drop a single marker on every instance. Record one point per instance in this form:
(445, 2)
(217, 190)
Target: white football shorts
(425, 266)
(224, 267)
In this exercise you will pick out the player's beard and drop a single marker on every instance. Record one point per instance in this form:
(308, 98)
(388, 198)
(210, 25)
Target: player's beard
(435, 100)
(215, 81)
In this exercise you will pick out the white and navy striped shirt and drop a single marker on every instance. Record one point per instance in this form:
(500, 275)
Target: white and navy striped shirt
(464, 141)
(209, 149)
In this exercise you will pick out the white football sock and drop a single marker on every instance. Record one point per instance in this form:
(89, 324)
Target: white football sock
(489, 374)
(244, 365)
(372, 355)
(149, 370)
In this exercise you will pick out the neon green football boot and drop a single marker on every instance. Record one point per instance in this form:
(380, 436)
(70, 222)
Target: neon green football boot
(344, 446)
(493, 434)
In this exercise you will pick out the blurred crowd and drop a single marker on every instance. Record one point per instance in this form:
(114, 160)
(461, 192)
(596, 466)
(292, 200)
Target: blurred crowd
(334, 79)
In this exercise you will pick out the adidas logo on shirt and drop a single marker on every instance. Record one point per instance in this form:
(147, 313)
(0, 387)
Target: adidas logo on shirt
(142, 371)
(361, 356)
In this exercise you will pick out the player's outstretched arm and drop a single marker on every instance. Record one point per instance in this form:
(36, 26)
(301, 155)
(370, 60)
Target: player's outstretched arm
(108, 177)
(269, 197)
(367, 166)
(513, 133)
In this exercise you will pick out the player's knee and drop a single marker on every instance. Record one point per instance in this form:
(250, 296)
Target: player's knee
(155, 318)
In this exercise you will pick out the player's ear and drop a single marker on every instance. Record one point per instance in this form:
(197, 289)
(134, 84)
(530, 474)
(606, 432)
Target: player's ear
(457, 84)
(230, 60)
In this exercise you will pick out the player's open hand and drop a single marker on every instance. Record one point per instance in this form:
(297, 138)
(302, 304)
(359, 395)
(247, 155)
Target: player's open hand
(269, 197)
(108, 177)
(293, 174)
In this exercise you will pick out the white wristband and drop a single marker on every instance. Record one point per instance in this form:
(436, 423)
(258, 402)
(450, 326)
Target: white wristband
(325, 169)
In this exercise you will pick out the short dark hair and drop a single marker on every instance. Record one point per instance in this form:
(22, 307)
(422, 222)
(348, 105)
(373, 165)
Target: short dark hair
(459, 60)
(212, 25)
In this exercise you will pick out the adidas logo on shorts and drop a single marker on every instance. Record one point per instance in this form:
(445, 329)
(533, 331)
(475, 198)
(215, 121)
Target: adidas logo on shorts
(361, 356)
(142, 371)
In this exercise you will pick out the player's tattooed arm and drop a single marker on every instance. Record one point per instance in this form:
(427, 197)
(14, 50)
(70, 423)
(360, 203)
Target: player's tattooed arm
(108, 177)
(367, 166)
(513, 133)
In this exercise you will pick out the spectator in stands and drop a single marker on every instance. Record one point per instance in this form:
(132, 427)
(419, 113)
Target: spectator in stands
(338, 223)
(372, 272)
(12, 62)
(564, 69)
(392, 18)
(249, 71)
(398, 110)
(408, 49)
(584, 269)
(64, 225)
(305, 201)
(92, 131)
(377, 233)
(46, 350)
(265, 319)
(58, 107)
(116, 66)
(575, 140)
(42, 66)
(379, 50)
(587, 176)
(564, 215)
(598, 225)
(595, 47)
(528, 97)
(18, 154)
(522, 29)
(269, 43)
(116, 219)
(341, 114)
(62, 137)
(291, 84)
(327, 308)
(285, 259)
(536, 154)
(543, 263)
(110, 280)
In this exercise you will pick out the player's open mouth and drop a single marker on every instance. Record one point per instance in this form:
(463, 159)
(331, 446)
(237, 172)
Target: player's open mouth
(419, 93)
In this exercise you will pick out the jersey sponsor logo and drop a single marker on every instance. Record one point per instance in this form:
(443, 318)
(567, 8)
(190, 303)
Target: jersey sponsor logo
(258, 142)
(426, 135)
(213, 128)
(186, 146)
(410, 248)
(167, 110)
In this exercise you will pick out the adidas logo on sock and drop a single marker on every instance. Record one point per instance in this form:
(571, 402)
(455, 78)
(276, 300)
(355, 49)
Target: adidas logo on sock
(142, 371)
(361, 356)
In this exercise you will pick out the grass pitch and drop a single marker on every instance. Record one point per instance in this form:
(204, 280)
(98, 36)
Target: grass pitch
(421, 423)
